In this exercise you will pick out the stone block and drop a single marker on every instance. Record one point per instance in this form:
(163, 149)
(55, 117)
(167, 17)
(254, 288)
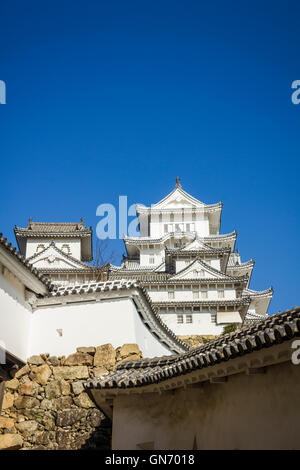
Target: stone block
(77, 388)
(79, 359)
(56, 388)
(129, 350)
(84, 401)
(88, 350)
(26, 402)
(12, 384)
(36, 360)
(71, 372)
(24, 370)
(27, 427)
(28, 388)
(105, 356)
(6, 423)
(69, 417)
(10, 442)
(8, 400)
(40, 374)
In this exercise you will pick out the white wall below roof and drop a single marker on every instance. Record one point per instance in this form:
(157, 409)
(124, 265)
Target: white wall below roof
(202, 324)
(112, 321)
(201, 224)
(15, 316)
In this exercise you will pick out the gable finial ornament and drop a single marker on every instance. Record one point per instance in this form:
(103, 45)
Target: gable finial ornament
(178, 185)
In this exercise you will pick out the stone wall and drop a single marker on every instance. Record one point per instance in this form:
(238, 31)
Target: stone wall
(46, 407)
(197, 340)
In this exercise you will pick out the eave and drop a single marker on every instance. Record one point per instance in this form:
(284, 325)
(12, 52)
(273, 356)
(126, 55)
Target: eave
(16, 264)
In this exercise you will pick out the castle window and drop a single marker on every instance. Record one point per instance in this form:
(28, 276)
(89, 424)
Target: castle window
(190, 227)
(213, 318)
(180, 318)
(221, 294)
(178, 227)
(204, 294)
(151, 259)
(66, 248)
(195, 294)
(166, 228)
(171, 295)
(189, 318)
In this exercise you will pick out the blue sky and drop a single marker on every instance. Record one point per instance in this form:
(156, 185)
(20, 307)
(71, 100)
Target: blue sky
(118, 98)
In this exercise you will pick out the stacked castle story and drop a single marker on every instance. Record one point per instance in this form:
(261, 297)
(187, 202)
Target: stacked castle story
(194, 277)
(192, 273)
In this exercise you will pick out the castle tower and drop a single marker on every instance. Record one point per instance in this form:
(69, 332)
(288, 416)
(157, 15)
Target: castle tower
(58, 250)
(192, 273)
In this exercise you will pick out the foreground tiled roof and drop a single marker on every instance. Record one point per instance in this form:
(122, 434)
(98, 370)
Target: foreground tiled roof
(265, 334)
(14, 252)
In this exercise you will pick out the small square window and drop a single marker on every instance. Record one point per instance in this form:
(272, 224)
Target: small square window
(213, 318)
(204, 294)
(171, 294)
(195, 294)
(189, 319)
(178, 227)
(179, 318)
(221, 294)
(151, 259)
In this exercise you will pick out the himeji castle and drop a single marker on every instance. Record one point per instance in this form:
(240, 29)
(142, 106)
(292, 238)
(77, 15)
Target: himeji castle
(194, 276)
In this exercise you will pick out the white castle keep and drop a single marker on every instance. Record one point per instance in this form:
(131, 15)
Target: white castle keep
(195, 279)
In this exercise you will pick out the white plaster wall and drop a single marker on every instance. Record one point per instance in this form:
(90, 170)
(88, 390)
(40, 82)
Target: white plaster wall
(202, 324)
(112, 321)
(75, 245)
(181, 294)
(248, 412)
(145, 253)
(157, 227)
(15, 316)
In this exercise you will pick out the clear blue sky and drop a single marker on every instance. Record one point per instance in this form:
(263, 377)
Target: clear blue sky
(109, 98)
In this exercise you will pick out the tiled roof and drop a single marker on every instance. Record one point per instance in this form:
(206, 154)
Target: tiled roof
(265, 334)
(14, 252)
(93, 287)
(251, 317)
(231, 264)
(34, 228)
(256, 293)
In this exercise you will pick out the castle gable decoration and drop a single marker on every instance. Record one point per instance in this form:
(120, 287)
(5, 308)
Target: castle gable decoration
(52, 257)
